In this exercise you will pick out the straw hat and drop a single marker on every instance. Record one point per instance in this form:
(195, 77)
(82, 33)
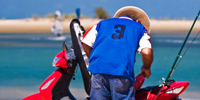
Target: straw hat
(137, 12)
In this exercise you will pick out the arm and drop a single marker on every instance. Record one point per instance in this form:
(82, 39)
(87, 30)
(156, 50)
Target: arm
(87, 49)
(147, 58)
(147, 55)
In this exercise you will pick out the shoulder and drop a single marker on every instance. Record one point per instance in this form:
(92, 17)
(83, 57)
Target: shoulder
(109, 19)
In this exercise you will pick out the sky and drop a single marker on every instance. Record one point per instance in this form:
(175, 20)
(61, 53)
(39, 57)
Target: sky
(156, 9)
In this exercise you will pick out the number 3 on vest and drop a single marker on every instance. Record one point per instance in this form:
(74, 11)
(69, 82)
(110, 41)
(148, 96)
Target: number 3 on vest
(119, 31)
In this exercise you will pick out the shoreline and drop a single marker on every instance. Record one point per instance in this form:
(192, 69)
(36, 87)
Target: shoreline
(79, 93)
(44, 25)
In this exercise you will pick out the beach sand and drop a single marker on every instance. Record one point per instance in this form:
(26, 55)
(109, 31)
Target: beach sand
(16, 93)
(43, 25)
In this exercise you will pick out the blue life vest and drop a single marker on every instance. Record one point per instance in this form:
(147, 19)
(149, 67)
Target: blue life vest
(115, 47)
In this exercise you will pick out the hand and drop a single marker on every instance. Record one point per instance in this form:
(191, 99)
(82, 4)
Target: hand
(146, 71)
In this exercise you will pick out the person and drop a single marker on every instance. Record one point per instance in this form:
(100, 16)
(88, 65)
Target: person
(57, 28)
(111, 46)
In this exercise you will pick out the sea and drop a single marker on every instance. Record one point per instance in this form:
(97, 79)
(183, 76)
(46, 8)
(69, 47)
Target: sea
(26, 61)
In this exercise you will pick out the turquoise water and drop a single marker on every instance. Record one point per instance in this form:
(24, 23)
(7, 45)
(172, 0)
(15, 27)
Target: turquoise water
(26, 61)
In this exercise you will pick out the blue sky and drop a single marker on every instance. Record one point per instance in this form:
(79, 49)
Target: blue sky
(157, 9)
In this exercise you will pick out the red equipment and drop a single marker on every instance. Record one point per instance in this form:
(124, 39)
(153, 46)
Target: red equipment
(56, 86)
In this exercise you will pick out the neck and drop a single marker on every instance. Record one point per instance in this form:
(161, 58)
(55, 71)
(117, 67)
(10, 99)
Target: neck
(125, 17)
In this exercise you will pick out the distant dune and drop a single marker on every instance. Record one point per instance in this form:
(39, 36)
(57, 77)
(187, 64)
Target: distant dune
(44, 25)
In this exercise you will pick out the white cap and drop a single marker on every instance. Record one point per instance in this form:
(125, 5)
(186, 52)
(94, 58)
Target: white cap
(58, 13)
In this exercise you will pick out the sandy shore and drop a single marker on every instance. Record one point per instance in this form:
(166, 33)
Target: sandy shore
(44, 25)
(19, 93)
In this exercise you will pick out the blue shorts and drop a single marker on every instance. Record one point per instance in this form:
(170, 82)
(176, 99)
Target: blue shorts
(109, 87)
